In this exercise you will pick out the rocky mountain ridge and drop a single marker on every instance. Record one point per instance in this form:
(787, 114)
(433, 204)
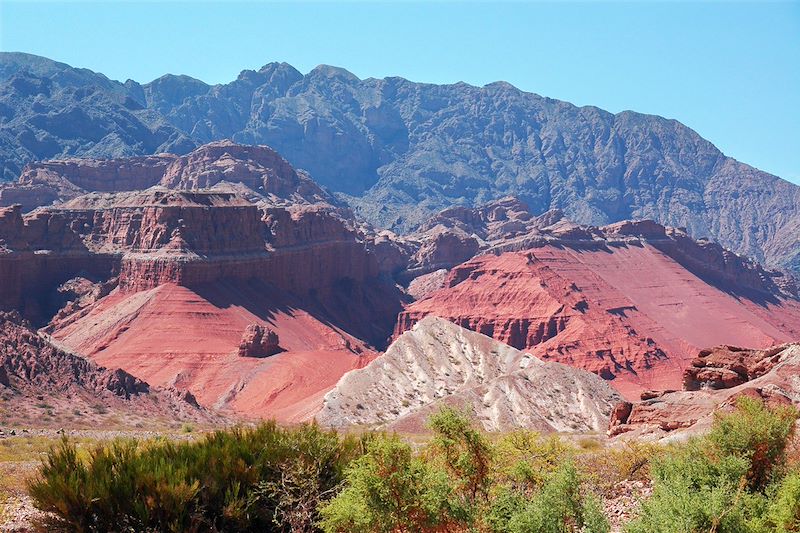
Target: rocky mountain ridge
(399, 151)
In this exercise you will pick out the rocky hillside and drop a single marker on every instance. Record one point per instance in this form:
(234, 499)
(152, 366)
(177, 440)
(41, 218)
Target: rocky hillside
(257, 172)
(715, 378)
(630, 301)
(398, 151)
(254, 294)
(42, 383)
(439, 362)
(227, 273)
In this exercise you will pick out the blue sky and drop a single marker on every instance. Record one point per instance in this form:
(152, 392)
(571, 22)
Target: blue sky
(731, 71)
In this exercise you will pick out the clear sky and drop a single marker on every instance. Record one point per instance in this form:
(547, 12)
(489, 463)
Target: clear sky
(731, 71)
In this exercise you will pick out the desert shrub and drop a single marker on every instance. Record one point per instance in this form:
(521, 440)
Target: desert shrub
(562, 505)
(229, 480)
(525, 459)
(462, 482)
(464, 452)
(390, 489)
(693, 493)
(730, 481)
(758, 434)
(307, 476)
(782, 512)
(627, 461)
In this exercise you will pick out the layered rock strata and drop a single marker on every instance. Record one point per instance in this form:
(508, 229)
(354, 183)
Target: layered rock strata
(258, 171)
(629, 301)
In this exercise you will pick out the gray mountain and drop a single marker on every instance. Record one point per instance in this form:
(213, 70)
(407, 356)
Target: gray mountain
(398, 151)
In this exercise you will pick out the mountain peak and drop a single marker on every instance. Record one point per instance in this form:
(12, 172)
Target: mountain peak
(328, 71)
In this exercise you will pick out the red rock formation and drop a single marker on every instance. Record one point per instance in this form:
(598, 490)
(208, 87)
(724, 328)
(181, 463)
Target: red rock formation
(444, 249)
(714, 380)
(258, 341)
(189, 338)
(36, 372)
(258, 168)
(506, 225)
(628, 312)
(194, 237)
(100, 175)
(28, 197)
(724, 367)
(163, 282)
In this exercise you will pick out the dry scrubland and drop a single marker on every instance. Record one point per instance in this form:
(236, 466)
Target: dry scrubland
(742, 477)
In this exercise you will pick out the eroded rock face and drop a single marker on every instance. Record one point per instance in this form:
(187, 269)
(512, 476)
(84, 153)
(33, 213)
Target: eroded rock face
(258, 341)
(147, 238)
(34, 371)
(256, 171)
(125, 277)
(439, 363)
(506, 225)
(595, 297)
(713, 381)
(724, 367)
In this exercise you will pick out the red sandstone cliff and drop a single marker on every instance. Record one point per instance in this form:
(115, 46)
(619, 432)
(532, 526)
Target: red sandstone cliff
(628, 301)
(165, 282)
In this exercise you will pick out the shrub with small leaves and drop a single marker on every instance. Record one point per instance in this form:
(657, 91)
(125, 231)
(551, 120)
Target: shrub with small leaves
(262, 479)
(731, 481)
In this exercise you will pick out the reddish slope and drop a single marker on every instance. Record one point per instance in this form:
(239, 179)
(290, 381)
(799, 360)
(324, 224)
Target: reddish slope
(42, 385)
(174, 335)
(627, 312)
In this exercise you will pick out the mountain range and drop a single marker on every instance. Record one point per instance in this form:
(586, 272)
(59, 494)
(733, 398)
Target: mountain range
(397, 151)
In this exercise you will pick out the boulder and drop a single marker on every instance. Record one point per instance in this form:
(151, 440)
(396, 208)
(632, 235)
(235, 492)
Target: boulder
(259, 341)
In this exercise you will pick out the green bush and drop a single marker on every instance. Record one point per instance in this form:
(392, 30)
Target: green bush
(238, 480)
(561, 506)
(731, 481)
(693, 493)
(525, 459)
(461, 482)
(464, 452)
(757, 434)
(783, 511)
(391, 489)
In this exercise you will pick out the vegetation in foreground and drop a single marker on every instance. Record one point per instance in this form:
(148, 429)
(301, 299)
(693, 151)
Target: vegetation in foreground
(740, 478)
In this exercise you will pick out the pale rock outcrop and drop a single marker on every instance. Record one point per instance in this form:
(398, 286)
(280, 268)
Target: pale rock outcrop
(438, 362)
